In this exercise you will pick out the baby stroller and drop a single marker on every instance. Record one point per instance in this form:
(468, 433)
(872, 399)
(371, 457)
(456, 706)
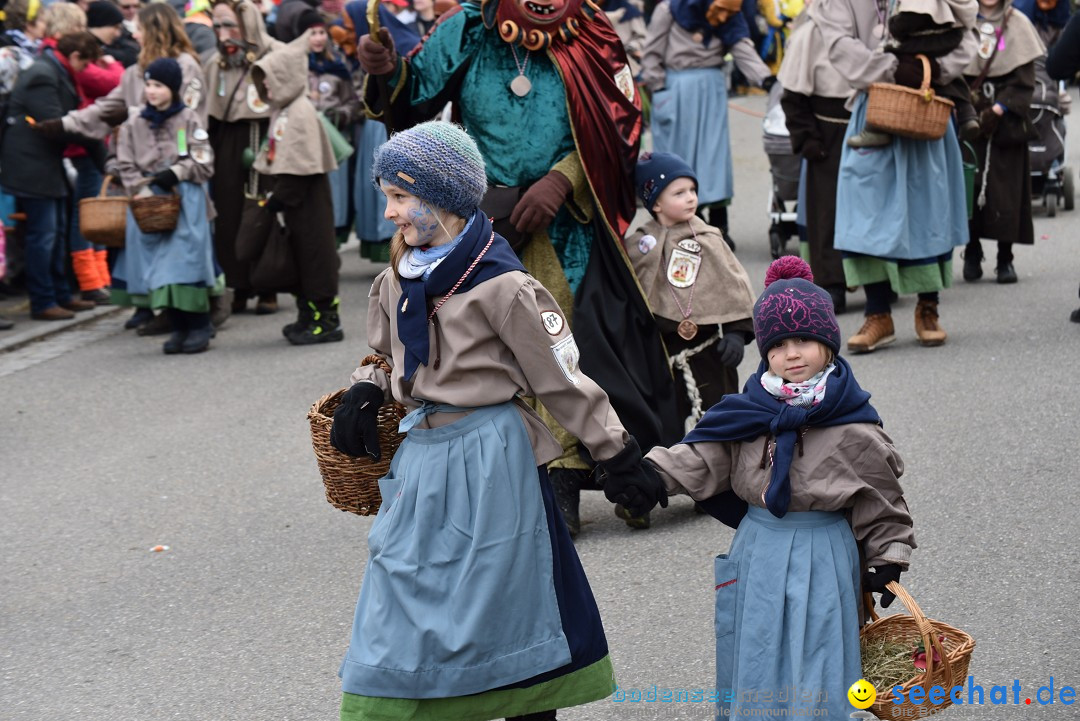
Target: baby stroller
(1050, 177)
(784, 167)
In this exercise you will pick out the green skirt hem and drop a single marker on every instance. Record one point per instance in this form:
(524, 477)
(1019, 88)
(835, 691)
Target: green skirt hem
(591, 683)
(904, 279)
(187, 298)
(122, 298)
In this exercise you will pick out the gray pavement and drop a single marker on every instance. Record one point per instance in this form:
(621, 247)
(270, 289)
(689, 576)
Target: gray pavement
(109, 448)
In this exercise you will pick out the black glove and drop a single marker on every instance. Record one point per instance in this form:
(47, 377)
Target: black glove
(52, 129)
(988, 122)
(632, 482)
(878, 577)
(909, 71)
(768, 82)
(273, 204)
(166, 179)
(731, 347)
(814, 150)
(356, 429)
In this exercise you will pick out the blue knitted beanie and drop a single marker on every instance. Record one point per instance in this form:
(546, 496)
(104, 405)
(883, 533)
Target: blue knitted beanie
(437, 162)
(654, 173)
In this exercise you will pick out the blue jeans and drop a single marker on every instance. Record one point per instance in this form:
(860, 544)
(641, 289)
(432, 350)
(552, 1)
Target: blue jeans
(46, 279)
(87, 185)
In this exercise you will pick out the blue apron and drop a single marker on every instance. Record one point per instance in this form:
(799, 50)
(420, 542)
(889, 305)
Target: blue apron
(458, 596)
(184, 256)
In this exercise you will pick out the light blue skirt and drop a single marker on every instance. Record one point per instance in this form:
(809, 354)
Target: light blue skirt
(901, 201)
(339, 193)
(369, 202)
(690, 119)
(458, 594)
(787, 623)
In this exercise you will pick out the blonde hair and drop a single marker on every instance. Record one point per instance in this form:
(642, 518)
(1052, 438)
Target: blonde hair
(163, 34)
(62, 18)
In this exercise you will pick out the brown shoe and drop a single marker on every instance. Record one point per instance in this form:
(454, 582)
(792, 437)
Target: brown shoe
(78, 305)
(927, 327)
(877, 330)
(267, 304)
(53, 313)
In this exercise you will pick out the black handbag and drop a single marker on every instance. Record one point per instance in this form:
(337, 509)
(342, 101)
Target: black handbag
(498, 203)
(275, 269)
(251, 236)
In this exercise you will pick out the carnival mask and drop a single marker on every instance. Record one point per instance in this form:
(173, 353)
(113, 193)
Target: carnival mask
(535, 24)
(720, 11)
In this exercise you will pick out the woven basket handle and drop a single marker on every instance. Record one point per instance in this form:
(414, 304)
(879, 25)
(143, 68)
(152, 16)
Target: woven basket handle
(375, 359)
(927, 92)
(105, 185)
(929, 639)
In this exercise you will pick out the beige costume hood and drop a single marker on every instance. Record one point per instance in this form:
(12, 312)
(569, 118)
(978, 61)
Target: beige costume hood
(297, 143)
(958, 13)
(232, 95)
(806, 68)
(1022, 43)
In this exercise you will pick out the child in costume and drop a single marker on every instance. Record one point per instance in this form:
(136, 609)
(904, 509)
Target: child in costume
(166, 148)
(800, 461)
(699, 293)
(474, 604)
(933, 28)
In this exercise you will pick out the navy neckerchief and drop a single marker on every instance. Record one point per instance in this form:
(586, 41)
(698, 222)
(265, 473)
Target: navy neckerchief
(412, 310)
(755, 412)
(319, 64)
(690, 15)
(157, 117)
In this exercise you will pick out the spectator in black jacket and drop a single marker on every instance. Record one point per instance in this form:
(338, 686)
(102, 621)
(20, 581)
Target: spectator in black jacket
(32, 169)
(1063, 63)
(105, 22)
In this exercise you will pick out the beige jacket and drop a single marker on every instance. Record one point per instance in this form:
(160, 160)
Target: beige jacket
(296, 142)
(852, 468)
(806, 68)
(232, 95)
(721, 290)
(142, 151)
(668, 46)
(128, 95)
(505, 339)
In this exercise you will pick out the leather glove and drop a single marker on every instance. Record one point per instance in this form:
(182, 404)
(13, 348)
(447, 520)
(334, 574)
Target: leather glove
(988, 122)
(731, 347)
(632, 482)
(375, 58)
(52, 129)
(813, 150)
(539, 204)
(355, 430)
(166, 179)
(876, 579)
(909, 71)
(274, 204)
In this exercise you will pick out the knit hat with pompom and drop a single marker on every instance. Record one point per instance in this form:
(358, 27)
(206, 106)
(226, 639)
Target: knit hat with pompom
(793, 307)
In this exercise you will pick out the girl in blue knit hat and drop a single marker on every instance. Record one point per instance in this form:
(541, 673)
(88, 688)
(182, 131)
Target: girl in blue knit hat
(474, 604)
(800, 464)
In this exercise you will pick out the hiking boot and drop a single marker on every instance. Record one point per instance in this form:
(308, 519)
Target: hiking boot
(927, 327)
(324, 325)
(303, 317)
(98, 296)
(175, 343)
(639, 523)
(566, 484)
(199, 333)
(140, 317)
(973, 264)
(1005, 273)
(869, 139)
(877, 331)
(158, 325)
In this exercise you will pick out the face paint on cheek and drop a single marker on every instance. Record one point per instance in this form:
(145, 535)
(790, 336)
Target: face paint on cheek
(423, 220)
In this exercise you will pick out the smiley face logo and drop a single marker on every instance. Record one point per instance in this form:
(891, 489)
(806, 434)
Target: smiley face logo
(861, 694)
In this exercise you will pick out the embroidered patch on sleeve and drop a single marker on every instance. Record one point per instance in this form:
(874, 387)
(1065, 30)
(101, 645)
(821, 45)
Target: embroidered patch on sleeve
(568, 356)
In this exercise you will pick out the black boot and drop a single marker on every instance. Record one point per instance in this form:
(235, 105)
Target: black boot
(718, 218)
(199, 333)
(140, 317)
(303, 317)
(973, 256)
(179, 331)
(324, 325)
(838, 293)
(1004, 271)
(566, 483)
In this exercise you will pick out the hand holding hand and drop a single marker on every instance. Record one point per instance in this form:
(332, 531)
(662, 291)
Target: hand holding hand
(813, 150)
(377, 58)
(632, 482)
(539, 204)
(355, 431)
(166, 179)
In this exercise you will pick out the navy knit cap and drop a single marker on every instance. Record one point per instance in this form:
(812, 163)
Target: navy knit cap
(437, 162)
(793, 307)
(103, 14)
(167, 72)
(655, 171)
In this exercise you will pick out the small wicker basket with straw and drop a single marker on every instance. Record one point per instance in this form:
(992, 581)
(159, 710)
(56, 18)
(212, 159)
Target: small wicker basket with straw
(951, 647)
(103, 219)
(156, 213)
(352, 484)
(908, 112)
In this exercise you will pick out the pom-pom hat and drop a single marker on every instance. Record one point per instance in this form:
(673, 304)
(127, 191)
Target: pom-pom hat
(793, 307)
(437, 162)
(656, 171)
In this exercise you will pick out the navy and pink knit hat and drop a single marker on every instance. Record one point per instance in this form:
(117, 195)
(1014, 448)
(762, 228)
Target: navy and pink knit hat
(793, 307)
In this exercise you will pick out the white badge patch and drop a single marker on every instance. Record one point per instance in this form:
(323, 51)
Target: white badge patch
(279, 128)
(646, 244)
(553, 322)
(254, 101)
(987, 40)
(200, 134)
(200, 155)
(624, 80)
(325, 87)
(568, 356)
(691, 246)
(683, 267)
(193, 93)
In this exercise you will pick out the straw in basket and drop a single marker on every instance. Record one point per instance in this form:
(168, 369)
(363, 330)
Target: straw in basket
(156, 213)
(103, 219)
(948, 653)
(908, 112)
(352, 484)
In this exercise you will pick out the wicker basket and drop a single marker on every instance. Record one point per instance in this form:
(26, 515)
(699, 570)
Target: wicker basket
(917, 114)
(954, 652)
(352, 484)
(156, 213)
(103, 220)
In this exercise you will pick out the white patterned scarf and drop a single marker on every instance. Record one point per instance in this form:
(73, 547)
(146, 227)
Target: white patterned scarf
(418, 262)
(805, 395)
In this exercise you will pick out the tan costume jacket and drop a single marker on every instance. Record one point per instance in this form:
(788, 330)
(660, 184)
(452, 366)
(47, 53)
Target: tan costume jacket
(852, 468)
(142, 151)
(504, 339)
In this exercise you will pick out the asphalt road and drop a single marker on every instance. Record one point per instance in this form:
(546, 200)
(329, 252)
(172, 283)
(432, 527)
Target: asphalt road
(108, 448)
